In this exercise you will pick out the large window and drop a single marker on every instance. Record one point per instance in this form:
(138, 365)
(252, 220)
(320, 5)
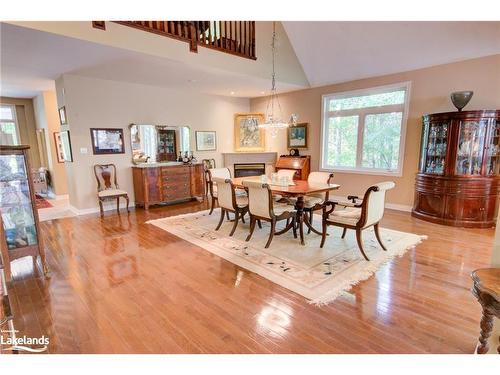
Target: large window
(9, 131)
(364, 130)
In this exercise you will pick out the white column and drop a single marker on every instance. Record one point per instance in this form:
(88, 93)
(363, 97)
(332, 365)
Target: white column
(495, 262)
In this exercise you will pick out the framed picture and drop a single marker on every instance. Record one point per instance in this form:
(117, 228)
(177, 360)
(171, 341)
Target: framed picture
(59, 147)
(298, 136)
(248, 137)
(107, 141)
(206, 141)
(62, 116)
(66, 146)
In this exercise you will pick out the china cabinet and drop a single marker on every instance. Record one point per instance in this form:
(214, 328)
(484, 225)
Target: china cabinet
(166, 150)
(20, 228)
(458, 182)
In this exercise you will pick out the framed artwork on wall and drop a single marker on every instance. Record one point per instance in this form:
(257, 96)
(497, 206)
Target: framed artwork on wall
(206, 141)
(297, 136)
(66, 146)
(62, 116)
(248, 137)
(59, 147)
(107, 141)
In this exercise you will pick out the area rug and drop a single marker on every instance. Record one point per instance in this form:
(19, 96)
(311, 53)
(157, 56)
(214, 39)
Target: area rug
(320, 275)
(41, 202)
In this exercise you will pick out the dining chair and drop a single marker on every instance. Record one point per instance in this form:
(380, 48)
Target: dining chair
(230, 202)
(261, 206)
(314, 202)
(207, 164)
(357, 215)
(211, 174)
(107, 186)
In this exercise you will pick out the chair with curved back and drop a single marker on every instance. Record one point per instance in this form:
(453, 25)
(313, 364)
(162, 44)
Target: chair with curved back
(211, 174)
(107, 186)
(357, 215)
(261, 206)
(229, 201)
(207, 164)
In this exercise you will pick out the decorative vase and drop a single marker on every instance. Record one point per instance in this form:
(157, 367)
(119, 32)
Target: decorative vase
(461, 98)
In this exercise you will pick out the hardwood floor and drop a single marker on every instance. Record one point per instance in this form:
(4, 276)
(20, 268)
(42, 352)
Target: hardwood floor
(119, 285)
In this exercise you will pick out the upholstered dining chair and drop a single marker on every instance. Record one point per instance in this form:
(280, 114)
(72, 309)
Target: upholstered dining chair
(107, 186)
(314, 202)
(211, 174)
(230, 202)
(357, 215)
(207, 164)
(262, 207)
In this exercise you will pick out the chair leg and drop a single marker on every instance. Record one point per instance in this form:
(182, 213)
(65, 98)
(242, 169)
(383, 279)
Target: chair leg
(324, 227)
(222, 213)
(260, 224)
(235, 224)
(212, 206)
(360, 243)
(118, 205)
(294, 228)
(128, 201)
(252, 227)
(243, 217)
(101, 209)
(344, 232)
(310, 221)
(271, 234)
(377, 234)
(227, 215)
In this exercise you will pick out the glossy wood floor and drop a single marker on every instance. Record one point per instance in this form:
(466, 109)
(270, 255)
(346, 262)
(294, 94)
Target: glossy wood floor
(119, 285)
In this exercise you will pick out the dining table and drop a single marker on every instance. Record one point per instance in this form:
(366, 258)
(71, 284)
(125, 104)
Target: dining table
(298, 189)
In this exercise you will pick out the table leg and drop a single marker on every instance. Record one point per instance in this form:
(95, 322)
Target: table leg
(309, 225)
(299, 206)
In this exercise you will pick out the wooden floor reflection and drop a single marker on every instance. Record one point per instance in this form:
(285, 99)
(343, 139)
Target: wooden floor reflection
(119, 285)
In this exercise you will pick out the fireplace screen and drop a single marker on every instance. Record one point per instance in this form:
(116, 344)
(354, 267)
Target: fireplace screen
(251, 169)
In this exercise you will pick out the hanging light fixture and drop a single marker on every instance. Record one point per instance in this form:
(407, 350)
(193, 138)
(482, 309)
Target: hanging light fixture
(274, 115)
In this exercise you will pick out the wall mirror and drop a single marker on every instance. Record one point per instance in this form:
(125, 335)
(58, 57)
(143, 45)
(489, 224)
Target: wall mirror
(158, 143)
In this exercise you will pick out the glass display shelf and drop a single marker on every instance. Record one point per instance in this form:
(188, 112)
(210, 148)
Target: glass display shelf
(470, 148)
(435, 152)
(493, 153)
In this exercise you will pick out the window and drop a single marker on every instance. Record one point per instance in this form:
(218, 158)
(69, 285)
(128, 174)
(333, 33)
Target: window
(363, 131)
(9, 130)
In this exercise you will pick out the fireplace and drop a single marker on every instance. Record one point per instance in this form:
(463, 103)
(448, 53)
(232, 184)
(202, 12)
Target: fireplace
(249, 169)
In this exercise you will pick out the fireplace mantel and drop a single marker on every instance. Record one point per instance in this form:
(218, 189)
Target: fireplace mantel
(268, 158)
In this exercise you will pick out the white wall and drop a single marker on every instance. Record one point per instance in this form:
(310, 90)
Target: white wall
(92, 103)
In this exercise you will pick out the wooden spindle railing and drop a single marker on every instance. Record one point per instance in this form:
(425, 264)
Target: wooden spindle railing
(234, 37)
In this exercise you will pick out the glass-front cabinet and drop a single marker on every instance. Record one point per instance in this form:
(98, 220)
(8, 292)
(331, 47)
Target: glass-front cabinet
(458, 180)
(19, 218)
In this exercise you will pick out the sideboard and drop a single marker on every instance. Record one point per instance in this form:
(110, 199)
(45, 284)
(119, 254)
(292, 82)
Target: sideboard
(155, 184)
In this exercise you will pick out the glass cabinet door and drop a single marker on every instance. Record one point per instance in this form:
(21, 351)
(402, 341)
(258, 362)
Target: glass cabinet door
(470, 148)
(493, 150)
(435, 152)
(15, 202)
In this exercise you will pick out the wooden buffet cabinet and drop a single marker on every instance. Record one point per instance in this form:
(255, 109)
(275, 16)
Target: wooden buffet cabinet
(154, 184)
(458, 183)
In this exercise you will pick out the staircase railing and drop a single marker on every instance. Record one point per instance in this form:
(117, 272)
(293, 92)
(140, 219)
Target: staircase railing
(234, 37)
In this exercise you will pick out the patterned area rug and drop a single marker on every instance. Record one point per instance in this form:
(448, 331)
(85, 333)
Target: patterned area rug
(41, 202)
(320, 275)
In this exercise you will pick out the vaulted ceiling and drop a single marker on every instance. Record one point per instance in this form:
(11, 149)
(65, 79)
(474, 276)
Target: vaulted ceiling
(333, 52)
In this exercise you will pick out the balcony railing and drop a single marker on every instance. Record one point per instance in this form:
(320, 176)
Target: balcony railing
(234, 37)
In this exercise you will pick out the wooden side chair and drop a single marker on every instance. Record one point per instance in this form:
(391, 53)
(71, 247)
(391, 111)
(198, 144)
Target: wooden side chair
(229, 201)
(261, 206)
(212, 173)
(207, 164)
(358, 215)
(314, 202)
(107, 186)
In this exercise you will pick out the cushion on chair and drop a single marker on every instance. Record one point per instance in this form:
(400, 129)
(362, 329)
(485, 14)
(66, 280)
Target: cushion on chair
(110, 193)
(241, 201)
(280, 208)
(349, 215)
(309, 201)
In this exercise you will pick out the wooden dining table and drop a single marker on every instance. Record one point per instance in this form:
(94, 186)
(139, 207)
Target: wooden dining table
(297, 189)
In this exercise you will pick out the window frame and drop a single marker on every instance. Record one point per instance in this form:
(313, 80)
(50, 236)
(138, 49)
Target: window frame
(14, 120)
(362, 113)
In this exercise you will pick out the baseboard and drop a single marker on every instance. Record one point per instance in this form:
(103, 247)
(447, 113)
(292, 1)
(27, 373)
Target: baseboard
(93, 210)
(391, 206)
